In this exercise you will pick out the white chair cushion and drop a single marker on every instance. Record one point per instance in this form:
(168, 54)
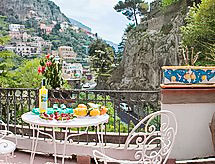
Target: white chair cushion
(6, 147)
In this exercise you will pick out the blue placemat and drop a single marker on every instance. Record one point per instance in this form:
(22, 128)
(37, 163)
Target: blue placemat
(53, 110)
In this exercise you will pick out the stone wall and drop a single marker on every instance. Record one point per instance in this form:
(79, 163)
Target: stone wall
(146, 51)
(155, 23)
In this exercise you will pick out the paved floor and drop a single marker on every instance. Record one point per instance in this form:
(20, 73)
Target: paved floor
(23, 158)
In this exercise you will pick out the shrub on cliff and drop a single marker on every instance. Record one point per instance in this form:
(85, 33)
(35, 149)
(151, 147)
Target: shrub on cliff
(166, 3)
(199, 32)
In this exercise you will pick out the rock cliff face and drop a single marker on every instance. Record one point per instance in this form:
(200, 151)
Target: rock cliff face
(147, 51)
(21, 10)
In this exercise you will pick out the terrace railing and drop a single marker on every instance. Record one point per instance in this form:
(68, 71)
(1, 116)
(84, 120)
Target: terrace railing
(126, 108)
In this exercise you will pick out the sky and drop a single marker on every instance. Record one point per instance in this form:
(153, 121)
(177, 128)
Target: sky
(99, 15)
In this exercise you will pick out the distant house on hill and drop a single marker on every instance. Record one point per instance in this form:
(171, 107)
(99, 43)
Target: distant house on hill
(25, 37)
(64, 26)
(15, 35)
(72, 71)
(25, 50)
(16, 27)
(46, 29)
(67, 53)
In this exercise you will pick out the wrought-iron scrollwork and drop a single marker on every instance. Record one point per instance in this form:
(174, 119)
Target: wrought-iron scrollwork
(3, 145)
(155, 144)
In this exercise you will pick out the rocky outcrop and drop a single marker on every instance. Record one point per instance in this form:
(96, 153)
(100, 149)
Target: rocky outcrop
(21, 10)
(147, 51)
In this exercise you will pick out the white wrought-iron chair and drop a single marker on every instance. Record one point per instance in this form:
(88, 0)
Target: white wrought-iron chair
(153, 144)
(7, 147)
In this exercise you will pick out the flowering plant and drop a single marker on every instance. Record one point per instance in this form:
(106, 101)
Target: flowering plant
(51, 70)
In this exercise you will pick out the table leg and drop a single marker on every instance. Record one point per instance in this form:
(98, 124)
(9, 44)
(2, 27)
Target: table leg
(55, 148)
(34, 143)
(64, 146)
(100, 137)
(66, 137)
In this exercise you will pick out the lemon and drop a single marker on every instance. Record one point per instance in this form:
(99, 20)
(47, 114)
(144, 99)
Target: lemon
(94, 112)
(76, 111)
(82, 112)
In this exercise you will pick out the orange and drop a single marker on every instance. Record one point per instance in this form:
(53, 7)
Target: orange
(103, 110)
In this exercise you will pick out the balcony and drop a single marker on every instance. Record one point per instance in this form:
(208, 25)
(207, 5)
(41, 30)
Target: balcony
(15, 102)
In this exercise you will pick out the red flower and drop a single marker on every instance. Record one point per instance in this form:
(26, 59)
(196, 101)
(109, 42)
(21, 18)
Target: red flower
(39, 70)
(48, 63)
(47, 56)
(43, 68)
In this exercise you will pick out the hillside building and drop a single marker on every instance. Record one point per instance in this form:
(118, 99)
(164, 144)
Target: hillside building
(67, 53)
(16, 27)
(15, 35)
(25, 37)
(72, 71)
(75, 28)
(64, 26)
(46, 29)
(10, 48)
(37, 38)
(25, 50)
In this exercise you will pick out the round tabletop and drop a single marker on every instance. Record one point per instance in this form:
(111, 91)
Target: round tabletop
(87, 121)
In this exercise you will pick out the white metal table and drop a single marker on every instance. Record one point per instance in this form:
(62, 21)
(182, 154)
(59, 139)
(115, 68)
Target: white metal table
(36, 122)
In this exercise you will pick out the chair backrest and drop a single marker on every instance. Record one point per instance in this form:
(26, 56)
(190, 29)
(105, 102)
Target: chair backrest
(3, 125)
(3, 129)
(154, 143)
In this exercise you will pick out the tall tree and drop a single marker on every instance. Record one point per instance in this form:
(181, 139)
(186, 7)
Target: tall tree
(102, 57)
(6, 57)
(27, 76)
(131, 8)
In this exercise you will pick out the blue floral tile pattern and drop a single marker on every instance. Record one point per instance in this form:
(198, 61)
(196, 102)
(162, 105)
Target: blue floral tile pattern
(188, 75)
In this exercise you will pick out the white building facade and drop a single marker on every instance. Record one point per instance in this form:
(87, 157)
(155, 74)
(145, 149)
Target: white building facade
(16, 27)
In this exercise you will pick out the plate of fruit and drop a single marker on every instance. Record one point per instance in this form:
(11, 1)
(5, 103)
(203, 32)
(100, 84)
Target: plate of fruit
(90, 109)
(57, 116)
